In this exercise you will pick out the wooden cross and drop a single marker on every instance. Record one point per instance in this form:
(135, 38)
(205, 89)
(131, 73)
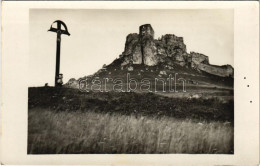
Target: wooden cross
(59, 31)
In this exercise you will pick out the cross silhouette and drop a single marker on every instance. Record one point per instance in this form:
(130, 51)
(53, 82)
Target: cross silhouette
(59, 31)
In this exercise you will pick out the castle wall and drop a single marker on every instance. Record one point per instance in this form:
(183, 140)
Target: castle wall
(216, 70)
(201, 62)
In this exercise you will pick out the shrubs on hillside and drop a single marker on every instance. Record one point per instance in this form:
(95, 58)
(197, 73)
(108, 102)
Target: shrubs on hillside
(145, 104)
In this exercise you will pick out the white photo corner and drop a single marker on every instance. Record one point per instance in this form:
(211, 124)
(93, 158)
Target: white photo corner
(130, 83)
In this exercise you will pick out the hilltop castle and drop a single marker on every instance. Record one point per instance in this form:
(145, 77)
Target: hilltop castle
(142, 48)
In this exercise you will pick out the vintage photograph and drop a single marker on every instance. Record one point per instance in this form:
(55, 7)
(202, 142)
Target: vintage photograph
(131, 81)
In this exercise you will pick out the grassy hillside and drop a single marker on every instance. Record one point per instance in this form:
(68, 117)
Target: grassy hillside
(192, 76)
(193, 79)
(145, 104)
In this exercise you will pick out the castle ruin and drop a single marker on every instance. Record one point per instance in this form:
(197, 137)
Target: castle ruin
(143, 49)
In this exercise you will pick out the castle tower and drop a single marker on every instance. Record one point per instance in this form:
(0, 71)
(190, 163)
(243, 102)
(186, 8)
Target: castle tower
(146, 30)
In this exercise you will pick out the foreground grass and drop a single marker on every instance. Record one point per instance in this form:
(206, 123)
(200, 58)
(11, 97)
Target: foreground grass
(52, 132)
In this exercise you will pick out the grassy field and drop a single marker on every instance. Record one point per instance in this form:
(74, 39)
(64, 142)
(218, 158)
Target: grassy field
(66, 121)
(77, 132)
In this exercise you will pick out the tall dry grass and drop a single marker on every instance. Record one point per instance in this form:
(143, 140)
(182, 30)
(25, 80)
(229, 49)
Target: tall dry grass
(89, 132)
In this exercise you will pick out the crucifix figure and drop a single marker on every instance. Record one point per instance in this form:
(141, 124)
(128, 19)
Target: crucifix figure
(59, 31)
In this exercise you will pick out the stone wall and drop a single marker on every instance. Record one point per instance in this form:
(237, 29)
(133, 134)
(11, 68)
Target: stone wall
(223, 71)
(201, 62)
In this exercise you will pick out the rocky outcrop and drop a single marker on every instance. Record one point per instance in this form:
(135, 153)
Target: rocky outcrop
(196, 59)
(73, 83)
(143, 49)
(140, 48)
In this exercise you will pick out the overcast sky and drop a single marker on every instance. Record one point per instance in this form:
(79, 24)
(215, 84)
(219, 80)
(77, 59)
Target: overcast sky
(98, 37)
